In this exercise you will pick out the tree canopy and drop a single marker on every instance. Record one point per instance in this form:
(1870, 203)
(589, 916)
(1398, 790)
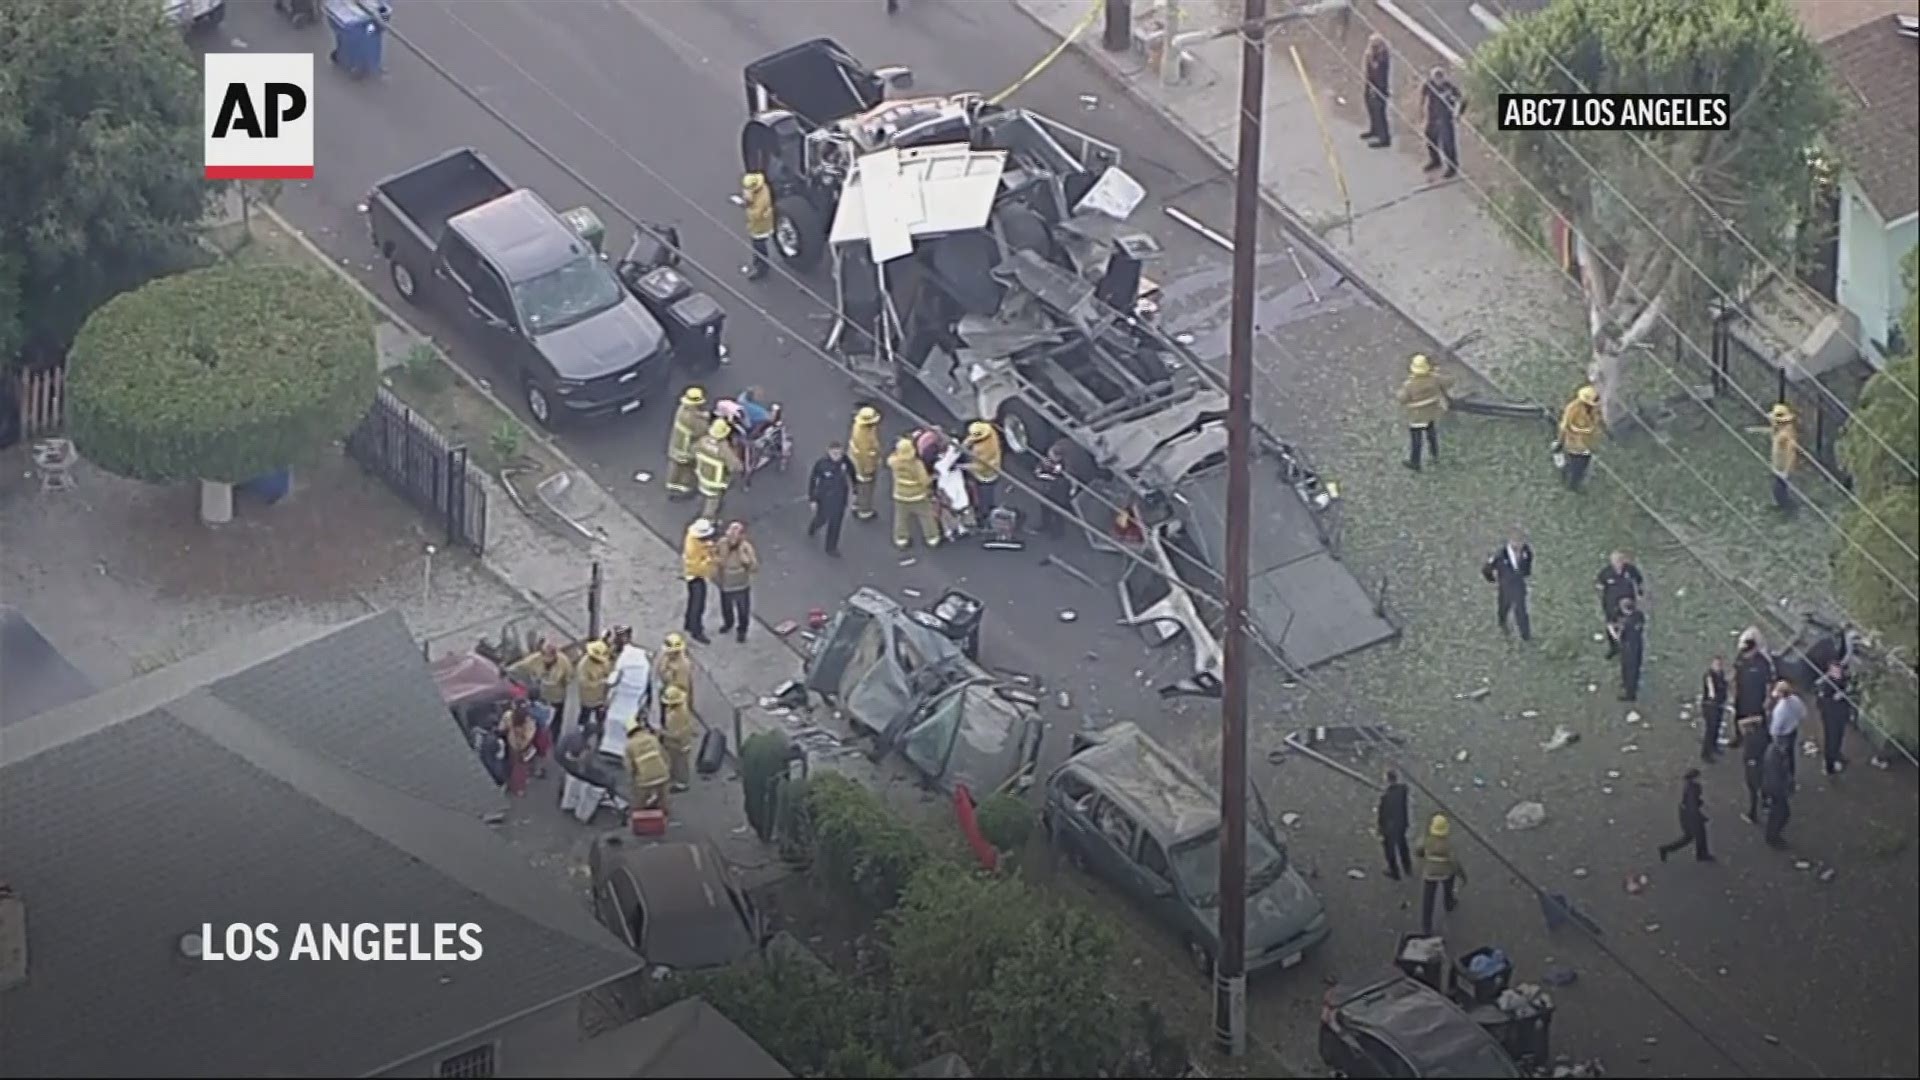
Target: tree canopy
(1636, 198)
(220, 374)
(100, 127)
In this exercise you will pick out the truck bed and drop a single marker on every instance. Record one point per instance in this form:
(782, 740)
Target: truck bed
(427, 196)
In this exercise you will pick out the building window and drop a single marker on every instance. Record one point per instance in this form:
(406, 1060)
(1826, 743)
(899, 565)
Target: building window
(477, 1062)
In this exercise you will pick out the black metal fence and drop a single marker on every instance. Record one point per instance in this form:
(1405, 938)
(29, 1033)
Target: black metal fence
(1821, 402)
(398, 445)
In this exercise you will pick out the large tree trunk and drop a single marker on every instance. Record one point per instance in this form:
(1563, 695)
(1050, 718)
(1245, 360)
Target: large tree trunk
(1622, 310)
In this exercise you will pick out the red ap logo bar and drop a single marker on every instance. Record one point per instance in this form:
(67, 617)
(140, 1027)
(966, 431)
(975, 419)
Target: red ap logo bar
(259, 116)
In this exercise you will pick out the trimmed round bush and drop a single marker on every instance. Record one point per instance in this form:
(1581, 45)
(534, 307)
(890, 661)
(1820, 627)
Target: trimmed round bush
(221, 374)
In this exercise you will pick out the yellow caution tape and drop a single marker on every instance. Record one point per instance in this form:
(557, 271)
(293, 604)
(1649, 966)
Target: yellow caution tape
(1034, 71)
(1326, 137)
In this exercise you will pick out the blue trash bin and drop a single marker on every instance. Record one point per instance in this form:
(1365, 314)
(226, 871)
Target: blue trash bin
(359, 31)
(270, 488)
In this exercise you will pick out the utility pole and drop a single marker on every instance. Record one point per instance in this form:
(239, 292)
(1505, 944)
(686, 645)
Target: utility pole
(1230, 966)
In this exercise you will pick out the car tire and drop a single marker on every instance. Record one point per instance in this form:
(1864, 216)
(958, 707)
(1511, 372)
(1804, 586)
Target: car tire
(539, 405)
(799, 233)
(1023, 429)
(1198, 956)
(404, 282)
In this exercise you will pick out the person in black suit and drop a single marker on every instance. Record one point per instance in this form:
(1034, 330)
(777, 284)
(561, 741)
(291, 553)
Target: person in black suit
(1633, 647)
(1508, 569)
(1390, 817)
(1713, 707)
(828, 487)
(1693, 821)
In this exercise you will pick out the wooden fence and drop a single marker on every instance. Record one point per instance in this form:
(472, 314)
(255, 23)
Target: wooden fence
(43, 401)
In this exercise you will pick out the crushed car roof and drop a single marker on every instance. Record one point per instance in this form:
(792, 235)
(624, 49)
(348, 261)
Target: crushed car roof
(1139, 773)
(1441, 1040)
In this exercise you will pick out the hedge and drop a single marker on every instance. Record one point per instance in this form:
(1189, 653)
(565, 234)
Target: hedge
(224, 374)
(860, 846)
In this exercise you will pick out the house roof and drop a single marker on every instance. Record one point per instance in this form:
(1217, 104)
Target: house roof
(1825, 19)
(688, 1039)
(34, 677)
(1878, 72)
(298, 777)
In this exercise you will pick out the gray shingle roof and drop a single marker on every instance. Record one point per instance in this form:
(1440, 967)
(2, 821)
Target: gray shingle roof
(1877, 70)
(34, 677)
(320, 781)
(687, 1040)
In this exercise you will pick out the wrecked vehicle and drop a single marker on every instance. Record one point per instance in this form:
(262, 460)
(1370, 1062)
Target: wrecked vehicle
(1128, 812)
(1403, 1027)
(899, 677)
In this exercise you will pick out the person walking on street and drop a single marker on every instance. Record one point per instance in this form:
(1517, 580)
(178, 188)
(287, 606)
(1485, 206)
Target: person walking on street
(1440, 97)
(1507, 570)
(674, 670)
(1752, 682)
(757, 199)
(1055, 482)
(1633, 648)
(912, 492)
(1786, 455)
(715, 464)
(550, 673)
(1776, 783)
(647, 769)
(829, 485)
(1424, 397)
(679, 732)
(689, 420)
(1784, 719)
(735, 563)
(595, 675)
(1835, 697)
(1438, 870)
(983, 469)
(1693, 821)
(696, 565)
(1579, 430)
(1391, 818)
(863, 453)
(1379, 61)
(1617, 582)
(1713, 707)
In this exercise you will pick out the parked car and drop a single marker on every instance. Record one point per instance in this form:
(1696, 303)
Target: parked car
(1403, 1027)
(456, 232)
(675, 903)
(191, 15)
(1134, 816)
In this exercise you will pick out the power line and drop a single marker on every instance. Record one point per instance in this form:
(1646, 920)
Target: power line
(725, 284)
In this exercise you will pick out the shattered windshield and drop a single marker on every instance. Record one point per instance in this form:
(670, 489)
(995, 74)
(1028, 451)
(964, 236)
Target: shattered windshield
(1197, 864)
(559, 298)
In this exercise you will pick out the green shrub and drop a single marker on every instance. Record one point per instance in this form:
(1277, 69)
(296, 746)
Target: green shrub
(1006, 821)
(763, 760)
(811, 1020)
(505, 442)
(860, 847)
(951, 928)
(223, 374)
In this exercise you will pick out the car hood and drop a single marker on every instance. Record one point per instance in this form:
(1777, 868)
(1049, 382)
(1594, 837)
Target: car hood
(1278, 912)
(603, 344)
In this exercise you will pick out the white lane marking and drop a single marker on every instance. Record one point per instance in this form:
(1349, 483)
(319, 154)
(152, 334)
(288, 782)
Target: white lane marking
(1494, 23)
(1413, 26)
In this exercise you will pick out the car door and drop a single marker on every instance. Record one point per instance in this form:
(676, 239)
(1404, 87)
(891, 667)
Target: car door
(1153, 876)
(1110, 852)
(618, 905)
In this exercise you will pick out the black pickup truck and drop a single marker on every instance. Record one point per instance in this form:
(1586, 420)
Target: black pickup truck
(456, 232)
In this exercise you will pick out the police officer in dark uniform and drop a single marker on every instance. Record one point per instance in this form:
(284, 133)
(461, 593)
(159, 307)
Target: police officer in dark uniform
(1632, 643)
(828, 487)
(1693, 821)
(1620, 579)
(1713, 707)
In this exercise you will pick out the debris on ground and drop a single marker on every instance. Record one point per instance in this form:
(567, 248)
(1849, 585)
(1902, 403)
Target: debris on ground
(1289, 819)
(817, 619)
(912, 594)
(1529, 713)
(1589, 1067)
(785, 627)
(1636, 884)
(1593, 688)
(1355, 873)
(1772, 1039)
(1559, 975)
(1561, 737)
(1826, 875)
(1460, 755)
(1558, 911)
(1526, 815)
(1475, 694)
(1630, 748)
(1802, 864)
(1068, 615)
(1633, 716)
(1579, 871)
(642, 477)
(1065, 699)
(908, 561)
(1652, 928)
(1606, 789)
(1613, 774)
(1809, 749)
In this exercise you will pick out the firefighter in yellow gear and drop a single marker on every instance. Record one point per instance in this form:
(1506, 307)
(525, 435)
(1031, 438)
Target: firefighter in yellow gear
(715, 464)
(697, 568)
(678, 733)
(1786, 454)
(757, 198)
(1580, 428)
(1424, 398)
(674, 670)
(983, 468)
(688, 421)
(863, 450)
(647, 769)
(912, 496)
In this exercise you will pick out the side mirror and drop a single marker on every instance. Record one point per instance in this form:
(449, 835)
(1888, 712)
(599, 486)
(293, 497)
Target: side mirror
(1159, 887)
(894, 79)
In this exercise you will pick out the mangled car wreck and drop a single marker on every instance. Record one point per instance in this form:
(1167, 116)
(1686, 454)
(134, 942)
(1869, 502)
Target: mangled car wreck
(997, 272)
(899, 678)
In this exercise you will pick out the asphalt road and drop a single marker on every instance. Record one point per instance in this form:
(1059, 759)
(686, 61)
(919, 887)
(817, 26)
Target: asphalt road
(645, 100)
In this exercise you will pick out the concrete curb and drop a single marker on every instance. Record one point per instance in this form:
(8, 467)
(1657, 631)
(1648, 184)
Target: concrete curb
(1295, 225)
(493, 566)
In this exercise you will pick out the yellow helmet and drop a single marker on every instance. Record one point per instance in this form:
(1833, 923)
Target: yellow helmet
(1780, 414)
(675, 642)
(719, 429)
(694, 396)
(1420, 365)
(979, 431)
(867, 416)
(753, 180)
(1439, 826)
(1588, 396)
(598, 650)
(673, 695)
(903, 446)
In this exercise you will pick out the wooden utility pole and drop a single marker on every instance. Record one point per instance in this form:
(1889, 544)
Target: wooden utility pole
(1230, 966)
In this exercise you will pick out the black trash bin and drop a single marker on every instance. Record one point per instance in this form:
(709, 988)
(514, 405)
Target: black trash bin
(693, 324)
(958, 615)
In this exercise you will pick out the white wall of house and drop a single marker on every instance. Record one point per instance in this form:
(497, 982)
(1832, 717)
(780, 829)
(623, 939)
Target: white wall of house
(1870, 285)
(529, 1046)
